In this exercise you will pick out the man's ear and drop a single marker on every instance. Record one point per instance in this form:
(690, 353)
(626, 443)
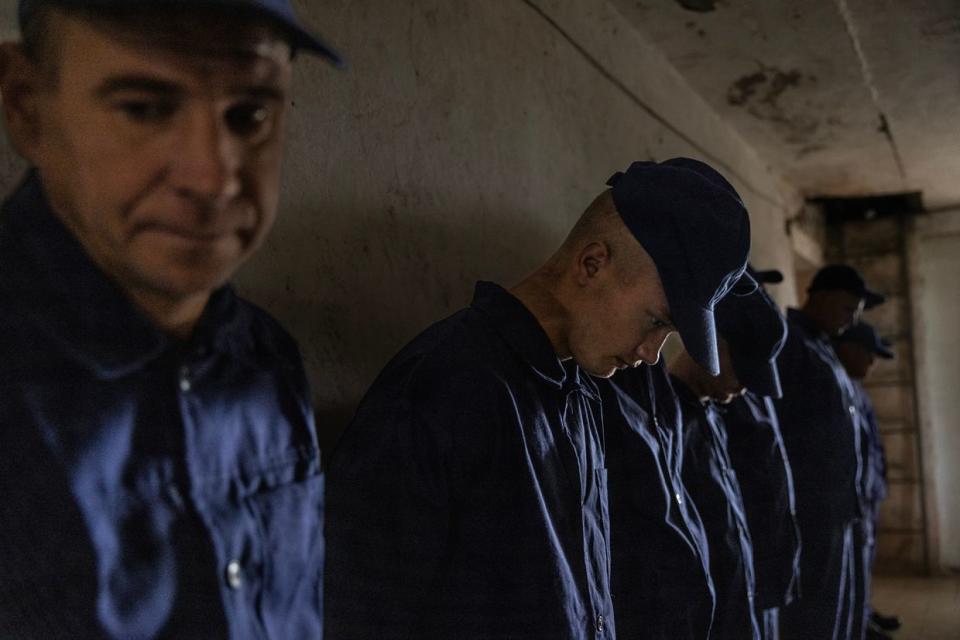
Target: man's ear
(19, 87)
(591, 261)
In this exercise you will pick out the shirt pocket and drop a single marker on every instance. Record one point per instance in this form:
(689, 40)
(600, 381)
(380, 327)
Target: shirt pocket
(288, 510)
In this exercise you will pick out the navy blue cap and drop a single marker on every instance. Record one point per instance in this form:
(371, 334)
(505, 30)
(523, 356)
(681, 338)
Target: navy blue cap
(866, 336)
(694, 225)
(755, 331)
(278, 11)
(766, 276)
(843, 277)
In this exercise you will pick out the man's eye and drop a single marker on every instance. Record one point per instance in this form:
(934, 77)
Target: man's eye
(249, 119)
(657, 323)
(147, 111)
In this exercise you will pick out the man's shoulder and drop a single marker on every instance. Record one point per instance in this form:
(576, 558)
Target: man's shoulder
(460, 347)
(269, 337)
(450, 383)
(801, 350)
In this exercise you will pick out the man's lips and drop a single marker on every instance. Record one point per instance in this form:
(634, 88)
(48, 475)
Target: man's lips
(624, 364)
(199, 236)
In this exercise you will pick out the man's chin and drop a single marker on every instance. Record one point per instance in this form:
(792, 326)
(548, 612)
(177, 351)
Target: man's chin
(182, 282)
(598, 372)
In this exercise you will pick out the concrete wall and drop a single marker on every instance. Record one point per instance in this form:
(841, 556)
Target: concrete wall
(462, 143)
(935, 270)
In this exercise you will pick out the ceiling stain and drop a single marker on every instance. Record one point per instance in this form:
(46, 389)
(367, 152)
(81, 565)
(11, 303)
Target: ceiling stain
(745, 87)
(944, 27)
(759, 93)
(767, 84)
(701, 6)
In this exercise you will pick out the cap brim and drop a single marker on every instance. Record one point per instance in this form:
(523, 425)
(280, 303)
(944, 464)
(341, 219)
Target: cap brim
(698, 330)
(884, 352)
(303, 41)
(769, 276)
(299, 38)
(872, 299)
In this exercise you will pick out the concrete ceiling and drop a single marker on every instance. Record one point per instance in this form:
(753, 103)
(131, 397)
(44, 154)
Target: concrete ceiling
(842, 97)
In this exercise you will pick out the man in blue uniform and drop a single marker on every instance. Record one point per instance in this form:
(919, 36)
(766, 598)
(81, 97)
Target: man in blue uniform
(159, 470)
(818, 418)
(660, 579)
(752, 332)
(766, 483)
(468, 498)
(858, 349)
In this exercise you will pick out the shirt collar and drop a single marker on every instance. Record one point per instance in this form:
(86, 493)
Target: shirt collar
(802, 320)
(53, 281)
(525, 336)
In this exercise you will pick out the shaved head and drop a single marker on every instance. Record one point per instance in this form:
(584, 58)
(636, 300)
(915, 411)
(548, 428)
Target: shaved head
(601, 222)
(600, 297)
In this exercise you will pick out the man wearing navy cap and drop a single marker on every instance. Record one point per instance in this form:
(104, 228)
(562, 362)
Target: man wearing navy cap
(660, 574)
(763, 470)
(468, 497)
(159, 470)
(858, 349)
(752, 333)
(818, 418)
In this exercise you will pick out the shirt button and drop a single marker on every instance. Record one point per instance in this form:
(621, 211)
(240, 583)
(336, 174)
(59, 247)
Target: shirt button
(679, 499)
(234, 575)
(176, 498)
(600, 623)
(185, 384)
(852, 410)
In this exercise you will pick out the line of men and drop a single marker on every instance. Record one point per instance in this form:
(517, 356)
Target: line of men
(526, 468)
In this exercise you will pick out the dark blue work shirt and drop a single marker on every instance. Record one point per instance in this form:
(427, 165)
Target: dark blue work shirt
(661, 583)
(147, 488)
(873, 456)
(818, 419)
(715, 490)
(763, 469)
(468, 499)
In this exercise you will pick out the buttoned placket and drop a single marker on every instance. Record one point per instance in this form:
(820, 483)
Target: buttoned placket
(575, 401)
(236, 575)
(732, 490)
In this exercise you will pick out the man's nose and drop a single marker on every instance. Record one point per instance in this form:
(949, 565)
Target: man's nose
(648, 351)
(206, 165)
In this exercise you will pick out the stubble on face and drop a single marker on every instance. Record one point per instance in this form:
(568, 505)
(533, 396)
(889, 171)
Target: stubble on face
(146, 153)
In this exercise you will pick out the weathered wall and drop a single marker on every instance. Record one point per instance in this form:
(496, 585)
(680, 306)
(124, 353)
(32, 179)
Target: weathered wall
(462, 143)
(935, 272)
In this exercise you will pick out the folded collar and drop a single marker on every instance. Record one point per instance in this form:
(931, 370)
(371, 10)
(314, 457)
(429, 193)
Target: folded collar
(525, 336)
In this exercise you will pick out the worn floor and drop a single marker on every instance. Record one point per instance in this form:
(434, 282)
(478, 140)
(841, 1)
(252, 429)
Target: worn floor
(929, 607)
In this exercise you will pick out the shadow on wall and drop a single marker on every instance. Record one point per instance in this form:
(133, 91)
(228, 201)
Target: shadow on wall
(358, 286)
